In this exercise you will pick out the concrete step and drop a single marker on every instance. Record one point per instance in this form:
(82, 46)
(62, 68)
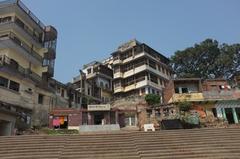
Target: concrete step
(195, 143)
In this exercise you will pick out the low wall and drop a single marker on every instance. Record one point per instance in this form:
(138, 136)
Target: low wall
(96, 128)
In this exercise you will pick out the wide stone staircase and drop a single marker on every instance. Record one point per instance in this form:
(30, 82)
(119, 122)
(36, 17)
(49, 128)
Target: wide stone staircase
(175, 144)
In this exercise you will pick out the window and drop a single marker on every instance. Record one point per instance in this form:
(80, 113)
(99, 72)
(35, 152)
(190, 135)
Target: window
(14, 86)
(62, 93)
(152, 64)
(3, 82)
(153, 91)
(106, 86)
(184, 90)
(40, 99)
(5, 19)
(89, 70)
(176, 90)
(78, 100)
(89, 91)
(58, 90)
(153, 78)
(214, 111)
(101, 84)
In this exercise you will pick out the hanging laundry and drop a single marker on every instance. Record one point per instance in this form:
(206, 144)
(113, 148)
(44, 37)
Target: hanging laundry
(61, 120)
(56, 122)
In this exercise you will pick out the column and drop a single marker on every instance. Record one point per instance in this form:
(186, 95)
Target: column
(89, 119)
(116, 117)
(235, 115)
(224, 114)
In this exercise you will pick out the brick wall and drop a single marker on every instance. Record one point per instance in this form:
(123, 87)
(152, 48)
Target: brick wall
(168, 91)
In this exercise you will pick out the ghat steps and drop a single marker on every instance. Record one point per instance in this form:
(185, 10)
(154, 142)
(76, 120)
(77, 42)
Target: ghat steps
(177, 144)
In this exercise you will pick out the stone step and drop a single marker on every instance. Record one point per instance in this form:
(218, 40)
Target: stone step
(103, 152)
(30, 145)
(197, 152)
(33, 153)
(196, 156)
(187, 146)
(193, 140)
(93, 147)
(36, 156)
(102, 156)
(20, 149)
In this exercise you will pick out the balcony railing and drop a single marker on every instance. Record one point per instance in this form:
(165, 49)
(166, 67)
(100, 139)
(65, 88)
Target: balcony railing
(25, 29)
(21, 44)
(6, 61)
(10, 63)
(188, 97)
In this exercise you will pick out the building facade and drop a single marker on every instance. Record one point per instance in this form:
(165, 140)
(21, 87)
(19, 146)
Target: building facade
(113, 91)
(27, 55)
(139, 70)
(210, 98)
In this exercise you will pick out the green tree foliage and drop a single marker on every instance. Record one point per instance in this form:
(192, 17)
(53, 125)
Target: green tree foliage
(152, 99)
(208, 59)
(184, 106)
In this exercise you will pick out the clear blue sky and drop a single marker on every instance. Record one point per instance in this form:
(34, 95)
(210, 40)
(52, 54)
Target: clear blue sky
(92, 29)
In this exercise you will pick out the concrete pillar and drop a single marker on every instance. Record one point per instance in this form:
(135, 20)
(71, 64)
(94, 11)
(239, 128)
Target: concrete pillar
(89, 119)
(146, 90)
(224, 114)
(116, 117)
(235, 115)
(158, 80)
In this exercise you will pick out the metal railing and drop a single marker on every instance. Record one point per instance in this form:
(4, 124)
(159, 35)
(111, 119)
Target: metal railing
(12, 64)
(6, 61)
(23, 45)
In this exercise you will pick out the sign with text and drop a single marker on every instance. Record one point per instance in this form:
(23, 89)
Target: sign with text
(99, 107)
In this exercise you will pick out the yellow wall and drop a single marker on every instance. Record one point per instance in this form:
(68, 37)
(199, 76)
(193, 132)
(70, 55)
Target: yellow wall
(187, 97)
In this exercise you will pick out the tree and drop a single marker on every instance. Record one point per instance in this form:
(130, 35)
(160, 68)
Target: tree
(152, 99)
(184, 106)
(207, 60)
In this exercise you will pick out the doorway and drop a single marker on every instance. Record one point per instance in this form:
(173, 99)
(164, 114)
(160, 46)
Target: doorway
(229, 115)
(5, 128)
(98, 118)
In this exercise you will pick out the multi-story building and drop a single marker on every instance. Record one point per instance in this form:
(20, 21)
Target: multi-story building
(138, 70)
(27, 54)
(95, 82)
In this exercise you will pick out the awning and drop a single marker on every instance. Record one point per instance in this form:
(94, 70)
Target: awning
(228, 104)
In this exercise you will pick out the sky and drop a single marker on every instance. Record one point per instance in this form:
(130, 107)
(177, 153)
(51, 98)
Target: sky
(91, 30)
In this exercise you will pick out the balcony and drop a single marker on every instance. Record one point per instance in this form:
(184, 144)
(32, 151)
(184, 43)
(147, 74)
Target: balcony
(139, 69)
(24, 31)
(10, 40)
(22, 99)
(118, 75)
(191, 97)
(118, 89)
(18, 7)
(117, 61)
(50, 33)
(10, 66)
